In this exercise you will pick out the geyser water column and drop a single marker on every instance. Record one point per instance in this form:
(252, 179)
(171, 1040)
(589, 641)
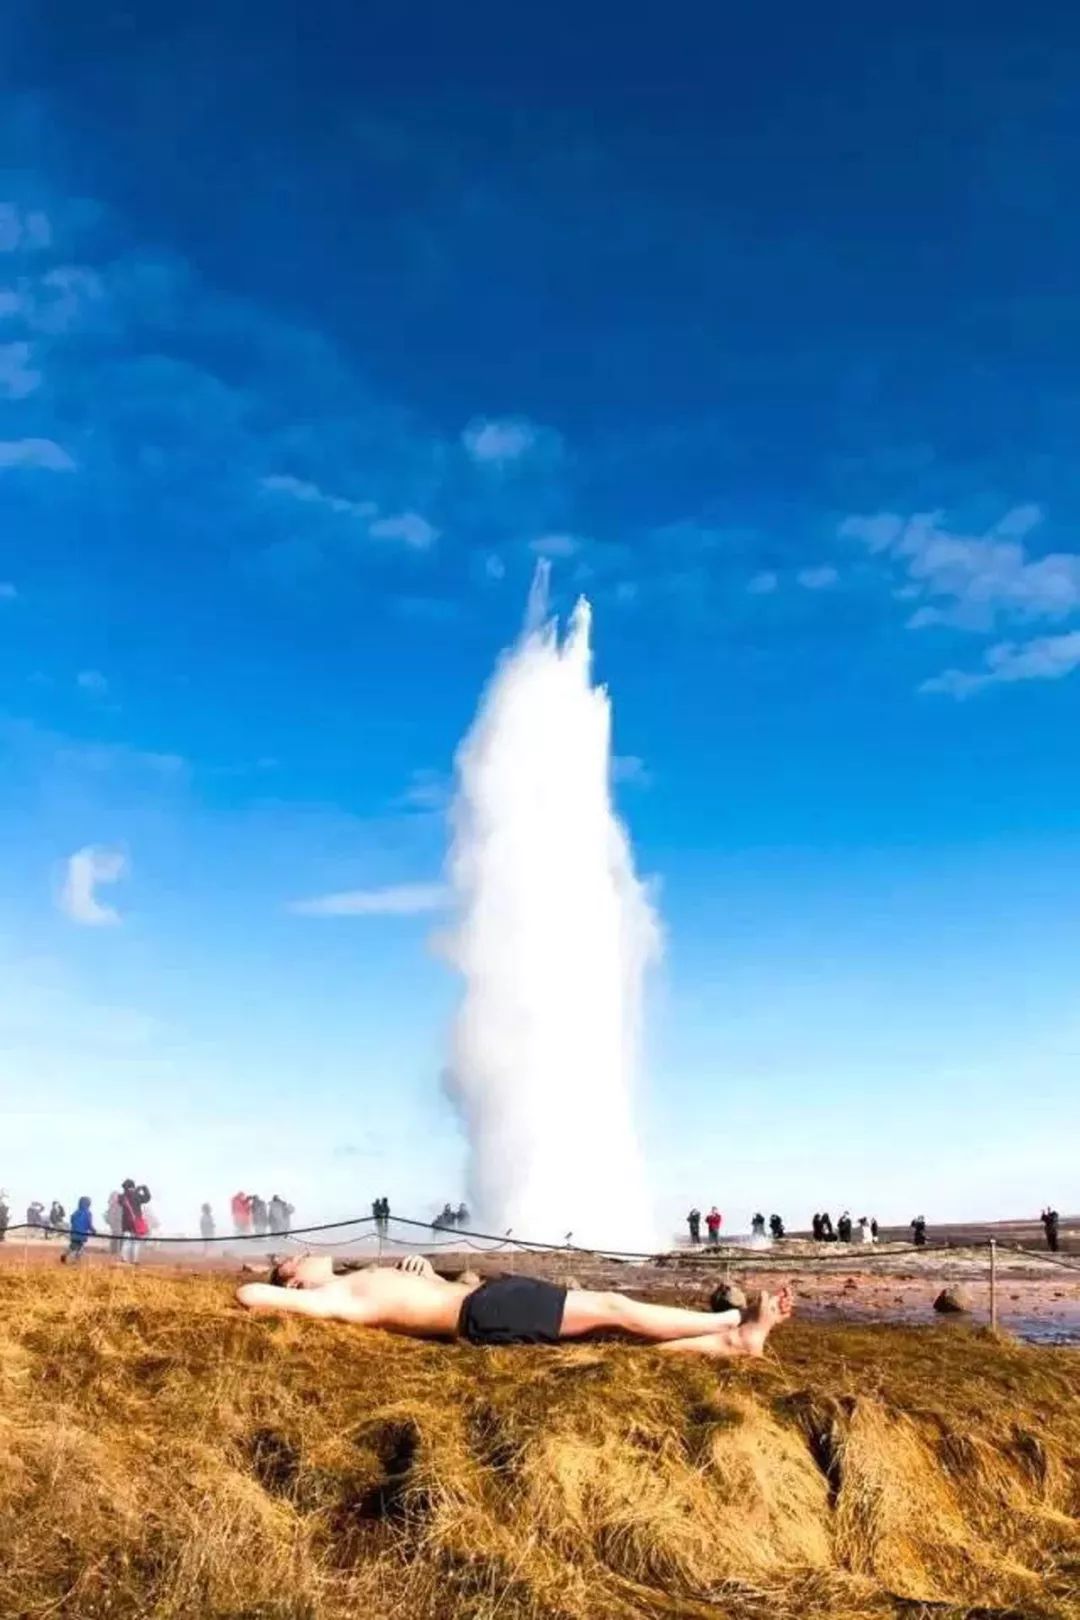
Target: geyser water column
(553, 933)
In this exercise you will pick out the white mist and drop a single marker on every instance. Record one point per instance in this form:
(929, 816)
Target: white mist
(553, 933)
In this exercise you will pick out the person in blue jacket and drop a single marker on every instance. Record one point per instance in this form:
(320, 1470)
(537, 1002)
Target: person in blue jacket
(81, 1230)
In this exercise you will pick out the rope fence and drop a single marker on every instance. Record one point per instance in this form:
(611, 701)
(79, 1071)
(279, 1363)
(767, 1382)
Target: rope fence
(442, 1238)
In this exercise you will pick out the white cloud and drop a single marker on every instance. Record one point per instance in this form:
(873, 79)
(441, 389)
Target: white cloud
(92, 681)
(301, 490)
(630, 769)
(763, 584)
(43, 453)
(25, 231)
(970, 581)
(555, 545)
(17, 377)
(427, 790)
(85, 871)
(817, 579)
(401, 900)
(1046, 658)
(408, 527)
(495, 442)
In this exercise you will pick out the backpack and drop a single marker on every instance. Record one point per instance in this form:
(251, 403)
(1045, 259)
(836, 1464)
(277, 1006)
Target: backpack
(140, 1225)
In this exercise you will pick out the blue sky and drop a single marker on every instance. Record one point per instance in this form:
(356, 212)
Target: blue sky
(313, 336)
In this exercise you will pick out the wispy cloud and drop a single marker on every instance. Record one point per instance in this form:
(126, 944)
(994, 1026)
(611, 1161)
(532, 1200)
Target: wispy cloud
(630, 770)
(22, 231)
(85, 871)
(428, 791)
(92, 681)
(43, 453)
(17, 376)
(300, 489)
(408, 527)
(763, 584)
(1046, 658)
(555, 545)
(817, 579)
(494, 442)
(100, 758)
(401, 900)
(970, 582)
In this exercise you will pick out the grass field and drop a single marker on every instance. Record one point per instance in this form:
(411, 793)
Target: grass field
(166, 1456)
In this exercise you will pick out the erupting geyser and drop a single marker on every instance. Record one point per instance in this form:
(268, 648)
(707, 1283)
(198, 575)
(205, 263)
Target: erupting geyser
(553, 933)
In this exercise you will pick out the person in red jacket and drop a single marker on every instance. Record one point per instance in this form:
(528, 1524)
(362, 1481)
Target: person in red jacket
(712, 1221)
(241, 1214)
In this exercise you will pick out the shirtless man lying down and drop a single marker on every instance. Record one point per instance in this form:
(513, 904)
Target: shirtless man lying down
(411, 1298)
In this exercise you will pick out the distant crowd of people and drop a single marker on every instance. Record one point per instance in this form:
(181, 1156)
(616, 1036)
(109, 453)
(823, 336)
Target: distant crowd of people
(128, 1219)
(449, 1217)
(713, 1222)
(864, 1230)
(252, 1216)
(845, 1230)
(129, 1222)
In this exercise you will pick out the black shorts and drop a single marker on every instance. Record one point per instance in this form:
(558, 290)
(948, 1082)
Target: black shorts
(513, 1310)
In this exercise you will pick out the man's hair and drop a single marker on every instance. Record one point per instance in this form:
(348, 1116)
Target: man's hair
(277, 1277)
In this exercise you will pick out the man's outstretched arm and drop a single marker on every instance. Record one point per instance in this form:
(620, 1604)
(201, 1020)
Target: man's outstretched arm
(300, 1301)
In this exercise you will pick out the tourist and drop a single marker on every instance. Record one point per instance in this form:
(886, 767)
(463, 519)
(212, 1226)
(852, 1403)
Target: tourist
(412, 1299)
(240, 1207)
(134, 1225)
(776, 1227)
(827, 1233)
(35, 1213)
(713, 1221)
(1051, 1226)
(82, 1230)
(444, 1219)
(5, 1216)
(462, 1215)
(376, 1214)
(843, 1228)
(114, 1221)
(278, 1215)
(693, 1221)
(816, 1228)
(757, 1226)
(258, 1215)
(918, 1231)
(206, 1227)
(873, 1229)
(385, 1217)
(864, 1230)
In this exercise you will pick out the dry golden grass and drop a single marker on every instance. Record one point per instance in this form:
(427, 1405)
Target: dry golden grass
(165, 1456)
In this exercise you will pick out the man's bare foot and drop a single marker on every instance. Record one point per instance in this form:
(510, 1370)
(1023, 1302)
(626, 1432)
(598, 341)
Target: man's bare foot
(761, 1318)
(731, 1342)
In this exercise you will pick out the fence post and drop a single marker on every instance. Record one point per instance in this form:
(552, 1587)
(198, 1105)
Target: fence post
(993, 1285)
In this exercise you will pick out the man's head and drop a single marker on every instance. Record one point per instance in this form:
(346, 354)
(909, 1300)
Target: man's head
(303, 1271)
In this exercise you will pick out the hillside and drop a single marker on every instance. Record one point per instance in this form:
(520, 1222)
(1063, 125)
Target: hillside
(167, 1456)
